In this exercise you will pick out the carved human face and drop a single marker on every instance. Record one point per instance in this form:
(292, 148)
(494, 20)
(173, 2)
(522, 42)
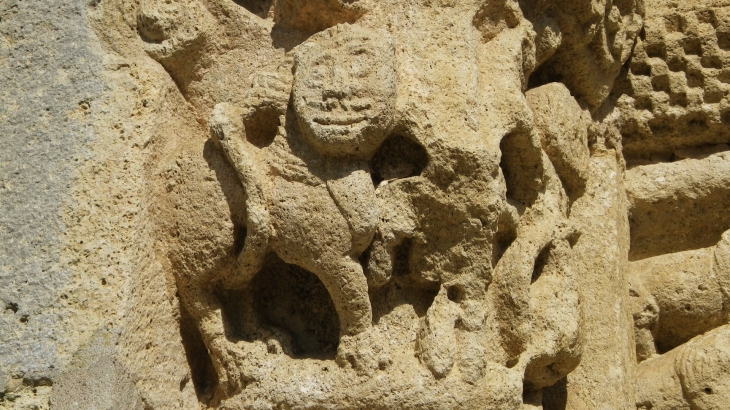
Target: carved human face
(344, 90)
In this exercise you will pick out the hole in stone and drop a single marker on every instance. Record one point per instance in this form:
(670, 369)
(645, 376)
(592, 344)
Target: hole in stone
(643, 103)
(398, 157)
(679, 99)
(555, 397)
(707, 390)
(271, 349)
(202, 371)
(724, 76)
(545, 74)
(713, 96)
(12, 306)
(295, 300)
(676, 64)
(402, 255)
(660, 83)
(692, 46)
(711, 61)
(261, 127)
(698, 123)
(673, 23)
(723, 40)
(640, 68)
(540, 263)
(656, 50)
(695, 79)
(521, 164)
(455, 293)
(257, 7)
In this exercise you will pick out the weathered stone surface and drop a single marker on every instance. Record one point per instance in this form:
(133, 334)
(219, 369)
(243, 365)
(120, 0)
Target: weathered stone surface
(356, 204)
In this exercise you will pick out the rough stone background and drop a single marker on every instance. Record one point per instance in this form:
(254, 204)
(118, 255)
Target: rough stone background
(49, 71)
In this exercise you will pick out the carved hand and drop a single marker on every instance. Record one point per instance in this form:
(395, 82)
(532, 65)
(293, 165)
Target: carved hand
(270, 91)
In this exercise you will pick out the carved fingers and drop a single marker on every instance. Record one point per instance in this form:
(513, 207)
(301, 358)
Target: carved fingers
(230, 361)
(270, 91)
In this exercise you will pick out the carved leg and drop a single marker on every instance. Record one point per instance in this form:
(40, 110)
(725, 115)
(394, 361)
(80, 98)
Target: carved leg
(510, 289)
(556, 346)
(379, 266)
(228, 359)
(436, 340)
(346, 284)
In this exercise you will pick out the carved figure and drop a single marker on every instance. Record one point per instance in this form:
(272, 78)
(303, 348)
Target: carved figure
(309, 195)
(464, 217)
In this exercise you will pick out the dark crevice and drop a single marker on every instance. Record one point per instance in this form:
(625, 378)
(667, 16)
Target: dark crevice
(398, 157)
(291, 299)
(540, 263)
(203, 375)
(521, 165)
(258, 7)
(261, 127)
(555, 397)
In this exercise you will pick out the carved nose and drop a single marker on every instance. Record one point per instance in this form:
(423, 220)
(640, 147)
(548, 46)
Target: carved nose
(333, 92)
(338, 86)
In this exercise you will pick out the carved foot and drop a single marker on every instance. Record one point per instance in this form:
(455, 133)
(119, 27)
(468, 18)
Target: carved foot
(362, 352)
(278, 341)
(230, 362)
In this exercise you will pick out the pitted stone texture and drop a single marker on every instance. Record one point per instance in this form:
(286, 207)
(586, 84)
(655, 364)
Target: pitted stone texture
(678, 206)
(676, 85)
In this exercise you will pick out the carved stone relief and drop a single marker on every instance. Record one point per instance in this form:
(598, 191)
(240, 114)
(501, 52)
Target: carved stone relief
(445, 247)
(396, 204)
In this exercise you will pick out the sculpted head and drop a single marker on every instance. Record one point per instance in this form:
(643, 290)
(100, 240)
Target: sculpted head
(344, 90)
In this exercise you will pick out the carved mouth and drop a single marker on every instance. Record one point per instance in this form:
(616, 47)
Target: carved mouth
(339, 120)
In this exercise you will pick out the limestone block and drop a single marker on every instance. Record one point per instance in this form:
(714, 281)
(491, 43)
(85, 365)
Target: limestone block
(679, 205)
(359, 204)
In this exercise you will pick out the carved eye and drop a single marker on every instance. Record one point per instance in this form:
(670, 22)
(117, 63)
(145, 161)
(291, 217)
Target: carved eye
(361, 66)
(317, 74)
